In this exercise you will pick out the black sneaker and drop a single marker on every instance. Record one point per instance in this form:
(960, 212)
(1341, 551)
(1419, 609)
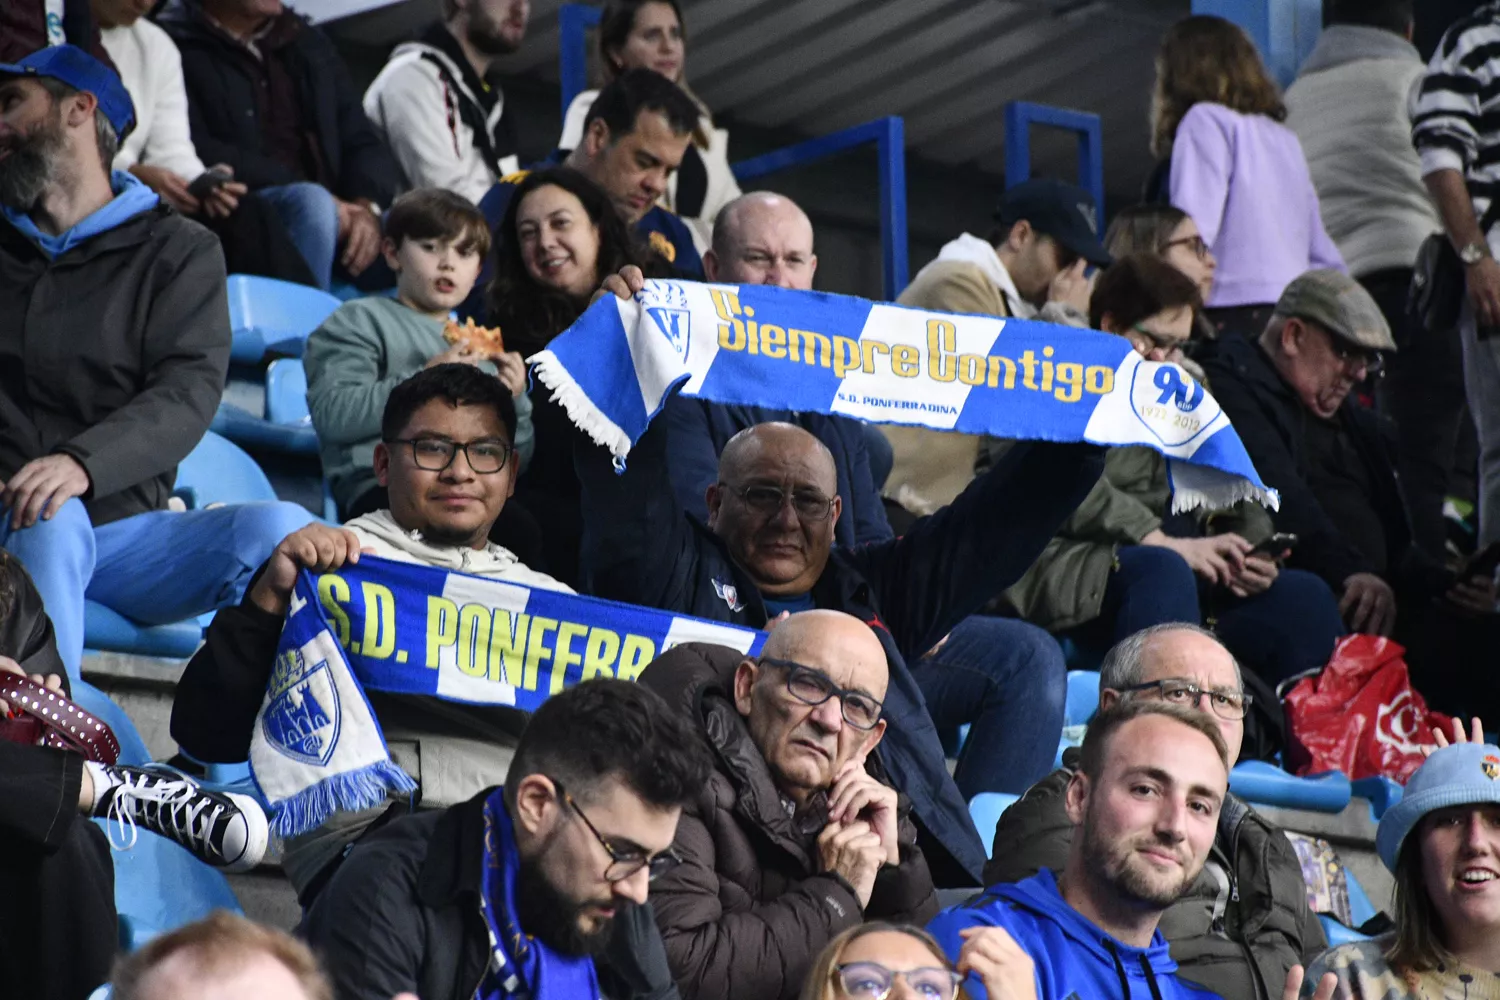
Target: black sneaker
(224, 829)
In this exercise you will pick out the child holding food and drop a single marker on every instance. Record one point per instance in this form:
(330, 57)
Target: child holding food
(435, 241)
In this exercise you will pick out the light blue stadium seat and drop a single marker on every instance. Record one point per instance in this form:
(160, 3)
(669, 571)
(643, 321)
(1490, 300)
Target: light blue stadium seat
(1381, 792)
(1266, 784)
(1083, 697)
(985, 809)
(286, 393)
(273, 317)
(159, 886)
(1360, 909)
(287, 426)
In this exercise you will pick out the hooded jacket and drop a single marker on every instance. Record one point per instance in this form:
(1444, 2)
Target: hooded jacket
(1075, 959)
(747, 912)
(114, 343)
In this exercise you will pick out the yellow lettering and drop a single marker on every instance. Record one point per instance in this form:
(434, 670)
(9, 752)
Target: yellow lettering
(442, 627)
(1099, 379)
(971, 369)
(732, 330)
(535, 653)
(807, 343)
(870, 348)
(941, 343)
(599, 653)
(332, 593)
(474, 624)
(996, 361)
(773, 341)
(638, 652)
(379, 640)
(563, 655)
(1070, 376)
(752, 337)
(846, 356)
(906, 361)
(1028, 369)
(507, 648)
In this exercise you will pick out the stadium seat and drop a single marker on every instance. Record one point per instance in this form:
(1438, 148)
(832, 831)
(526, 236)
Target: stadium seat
(1083, 697)
(1381, 792)
(273, 317)
(985, 810)
(1360, 909)
(159, 886)
(1266, 784)
(286, 393)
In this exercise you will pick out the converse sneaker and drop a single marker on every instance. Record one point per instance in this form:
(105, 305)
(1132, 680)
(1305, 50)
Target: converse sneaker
(224, 829)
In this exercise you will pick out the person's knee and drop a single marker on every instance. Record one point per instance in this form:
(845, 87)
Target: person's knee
(260, 527)
(66, 537)
(1026, 661)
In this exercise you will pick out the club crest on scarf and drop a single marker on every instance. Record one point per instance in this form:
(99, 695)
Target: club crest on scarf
(667, 305)
(301, 719)
(1171, 404)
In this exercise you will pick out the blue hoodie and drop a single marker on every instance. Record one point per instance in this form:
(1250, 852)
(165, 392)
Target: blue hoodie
(1075, 960)
(131, 199)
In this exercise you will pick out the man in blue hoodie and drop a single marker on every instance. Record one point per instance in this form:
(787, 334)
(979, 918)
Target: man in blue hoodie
(1145, 804)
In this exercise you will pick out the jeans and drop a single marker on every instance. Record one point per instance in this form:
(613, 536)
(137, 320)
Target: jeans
(311, 219)
(1482, 377)
(156, 568)
(1008, 681)
(1290, 627)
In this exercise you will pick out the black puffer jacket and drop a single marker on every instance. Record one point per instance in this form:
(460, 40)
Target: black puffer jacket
(747, 912)
(1237, 931)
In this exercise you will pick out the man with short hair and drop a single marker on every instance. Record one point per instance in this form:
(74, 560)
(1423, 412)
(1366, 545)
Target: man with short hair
(446, 459)
(438, 102)
(1005, 678)
(794, 838)
(221, 957)
(1031, 266)
(537, 888)
(768, 547)
(1264, 927)
(268, 94)
(1144, 805)
(114, 341)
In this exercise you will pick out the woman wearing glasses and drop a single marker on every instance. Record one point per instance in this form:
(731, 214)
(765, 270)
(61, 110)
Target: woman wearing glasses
(1171, 234)
(1119, 566)
(881, 961)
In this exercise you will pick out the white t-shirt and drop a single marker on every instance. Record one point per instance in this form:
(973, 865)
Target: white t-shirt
(151, 69)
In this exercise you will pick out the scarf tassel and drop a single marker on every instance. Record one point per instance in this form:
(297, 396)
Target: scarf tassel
(367, 787)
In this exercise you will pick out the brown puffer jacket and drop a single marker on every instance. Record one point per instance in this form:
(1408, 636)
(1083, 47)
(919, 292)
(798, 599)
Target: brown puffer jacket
(747, 912)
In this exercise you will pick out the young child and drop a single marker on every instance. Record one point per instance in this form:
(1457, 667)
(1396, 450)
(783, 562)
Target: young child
(435, 241)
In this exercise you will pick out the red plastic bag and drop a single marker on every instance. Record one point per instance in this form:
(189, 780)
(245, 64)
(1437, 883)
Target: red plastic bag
(1360, 715)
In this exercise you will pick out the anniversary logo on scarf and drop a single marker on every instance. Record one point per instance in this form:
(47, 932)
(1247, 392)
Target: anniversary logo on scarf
(755, 345)
(409, 629)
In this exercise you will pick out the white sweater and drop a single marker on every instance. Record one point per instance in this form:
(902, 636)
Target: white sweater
(1350, 109)
(151, 70)
(379, 532)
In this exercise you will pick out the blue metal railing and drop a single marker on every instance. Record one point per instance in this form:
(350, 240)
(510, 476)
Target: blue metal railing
(574, 21)
(1021, 115)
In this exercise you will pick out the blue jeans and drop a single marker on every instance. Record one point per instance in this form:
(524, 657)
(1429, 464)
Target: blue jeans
(156, 568)
(1008, 681)
(1289, 628)
(312, 221)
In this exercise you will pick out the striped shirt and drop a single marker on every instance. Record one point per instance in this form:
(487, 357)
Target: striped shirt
(1456, 110)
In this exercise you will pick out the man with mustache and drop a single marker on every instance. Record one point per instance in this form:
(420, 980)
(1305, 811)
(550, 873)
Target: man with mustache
(1144, 805)
(534, 889)
(794, 837)
(439, 106)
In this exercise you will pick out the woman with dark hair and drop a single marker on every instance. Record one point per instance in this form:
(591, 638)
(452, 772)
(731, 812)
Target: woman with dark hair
(650, 34)
(559, 239)
(1216, 129)
(881, 961)
(1442, 842)
(1123, 562)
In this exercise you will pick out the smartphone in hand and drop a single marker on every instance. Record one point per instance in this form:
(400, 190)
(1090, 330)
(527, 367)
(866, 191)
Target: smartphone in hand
(207, 182)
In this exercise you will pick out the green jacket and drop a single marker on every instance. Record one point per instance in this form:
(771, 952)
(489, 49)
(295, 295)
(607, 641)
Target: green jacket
(353, 361)
(1064, 588)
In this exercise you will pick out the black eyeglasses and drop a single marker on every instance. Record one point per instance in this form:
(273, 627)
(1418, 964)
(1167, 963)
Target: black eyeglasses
(1226, 704)
(873, 981)
(1158, 341)
(434, 454)
(810, 505)
(813, 687)
(623, 864)
(1194, 244)
(1352, 357)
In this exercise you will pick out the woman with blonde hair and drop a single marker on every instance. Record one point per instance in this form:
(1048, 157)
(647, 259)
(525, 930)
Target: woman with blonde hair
(880, 961)
(650, 34)
(1216, 124)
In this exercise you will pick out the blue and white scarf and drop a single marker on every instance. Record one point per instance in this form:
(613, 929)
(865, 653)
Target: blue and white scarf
(755, 345)
(407, 629)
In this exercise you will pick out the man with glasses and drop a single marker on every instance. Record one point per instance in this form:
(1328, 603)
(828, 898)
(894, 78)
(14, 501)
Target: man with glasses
(447, 462)
(795, 837)
(1244, 922)
(536, 889)
(1288, 396)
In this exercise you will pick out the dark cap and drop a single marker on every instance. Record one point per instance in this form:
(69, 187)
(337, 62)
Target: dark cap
(1065, 212)
(81, 71)
(1339, 304)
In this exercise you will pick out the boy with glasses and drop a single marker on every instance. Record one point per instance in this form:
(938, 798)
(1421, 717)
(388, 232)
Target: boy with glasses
(795, 836)
(534, 889)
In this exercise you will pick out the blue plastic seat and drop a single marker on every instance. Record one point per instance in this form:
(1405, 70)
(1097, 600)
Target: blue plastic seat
(159, 886)
(1381, 792)
(985, 810)
(1083, 697)
(287, 426)
(1360, 910)
(273, 317)
(1266, 784)
(286, 393)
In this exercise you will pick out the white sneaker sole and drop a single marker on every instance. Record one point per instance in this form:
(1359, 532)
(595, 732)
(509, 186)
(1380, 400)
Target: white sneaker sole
(257, 833)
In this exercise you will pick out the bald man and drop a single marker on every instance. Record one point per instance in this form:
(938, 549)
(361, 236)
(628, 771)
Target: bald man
(796, 836)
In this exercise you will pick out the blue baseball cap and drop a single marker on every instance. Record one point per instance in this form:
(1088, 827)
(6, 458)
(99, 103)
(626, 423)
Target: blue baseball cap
(81, 71)
(1065, 212)
(1464, 774)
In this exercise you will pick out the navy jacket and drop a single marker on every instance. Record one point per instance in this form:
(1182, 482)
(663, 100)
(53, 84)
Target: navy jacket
(699, 429)
(639, 546)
